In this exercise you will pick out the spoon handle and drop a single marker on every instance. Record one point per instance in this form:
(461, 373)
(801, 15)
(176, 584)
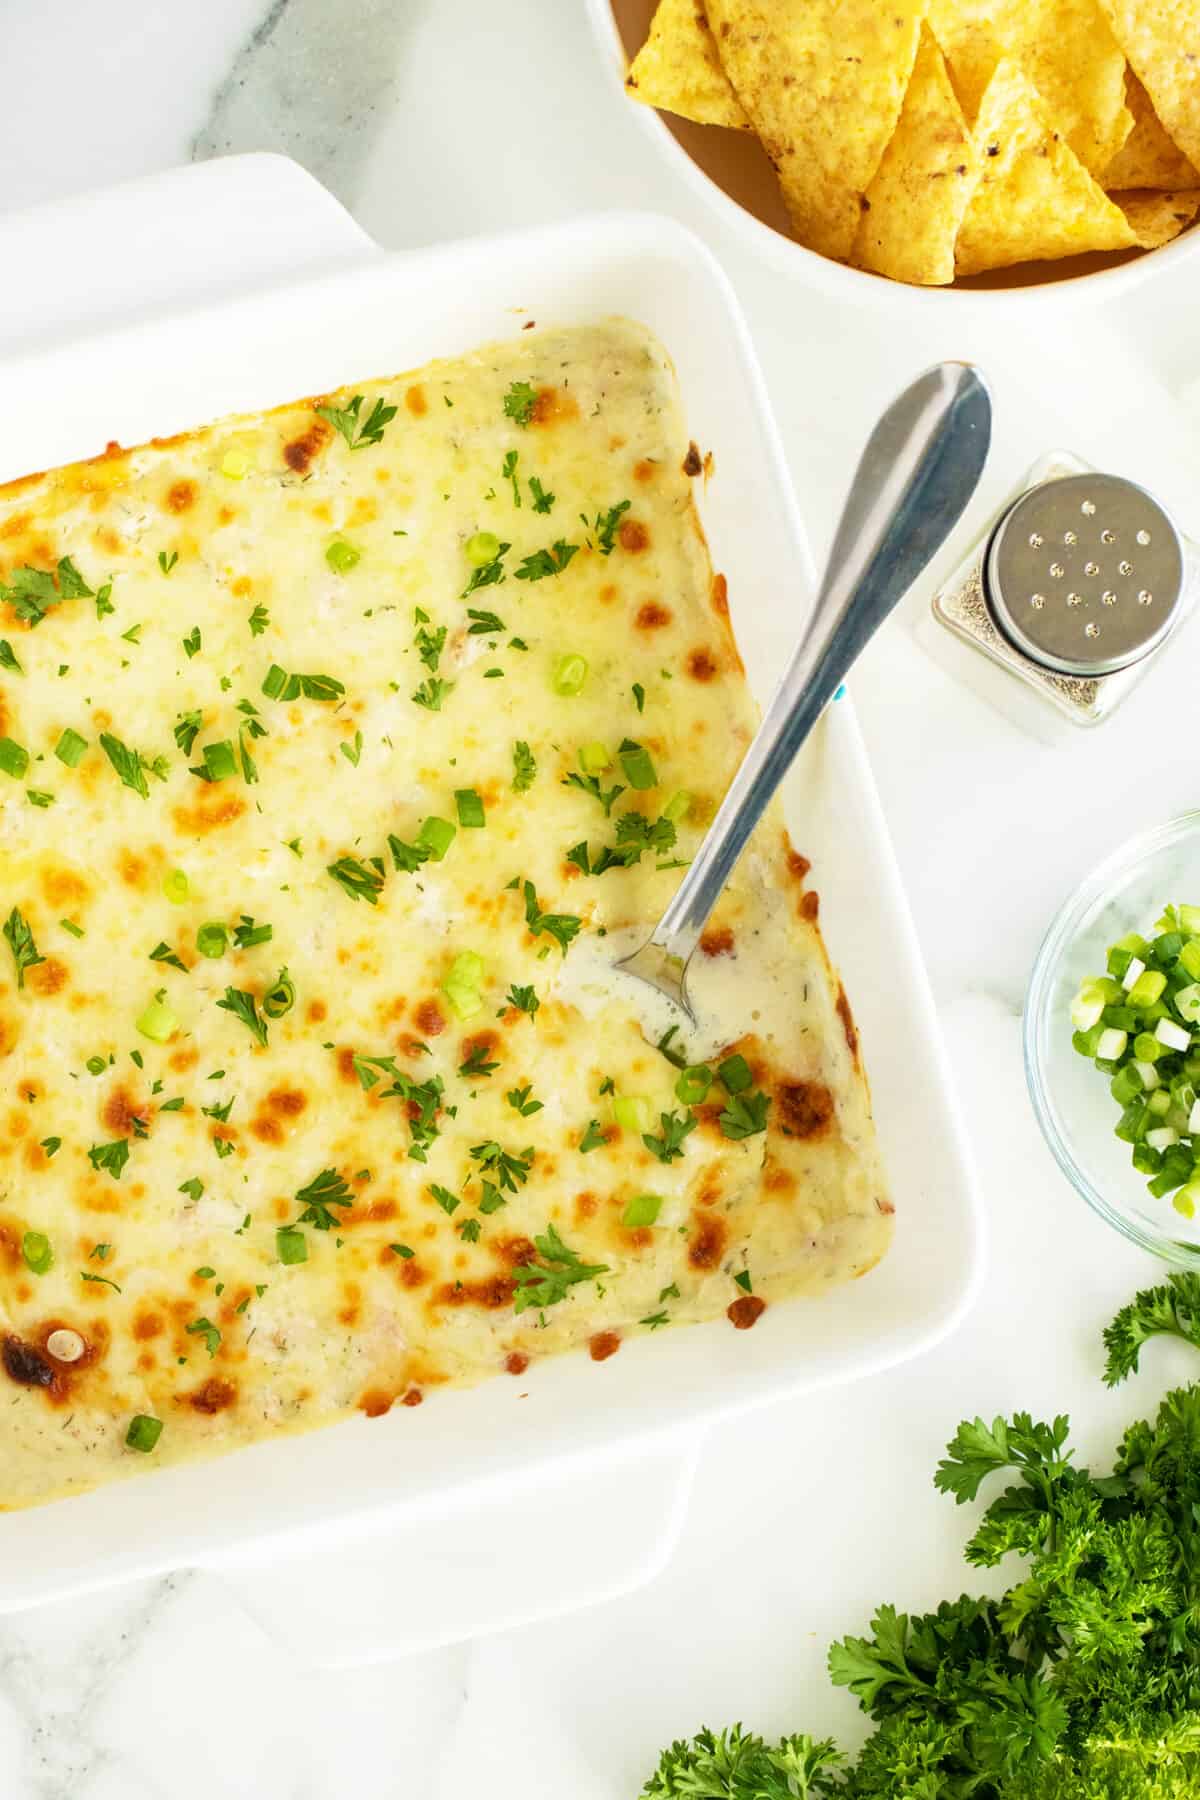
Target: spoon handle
(915, 476)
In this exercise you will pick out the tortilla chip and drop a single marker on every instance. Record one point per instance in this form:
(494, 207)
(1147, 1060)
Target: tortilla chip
(678, 69)
(1157, 218)
(823, 82)
(1064, 46)
(1148, 158)
(1161, 38)
(1034, 198)
(915, 204)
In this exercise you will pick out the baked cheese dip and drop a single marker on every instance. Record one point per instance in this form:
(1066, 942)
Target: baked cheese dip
(343, 749)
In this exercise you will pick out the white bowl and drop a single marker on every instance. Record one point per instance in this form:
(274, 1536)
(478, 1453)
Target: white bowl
(730, 172)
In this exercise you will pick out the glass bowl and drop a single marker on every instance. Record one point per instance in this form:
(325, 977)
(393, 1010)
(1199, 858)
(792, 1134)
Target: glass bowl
(1070, 1095)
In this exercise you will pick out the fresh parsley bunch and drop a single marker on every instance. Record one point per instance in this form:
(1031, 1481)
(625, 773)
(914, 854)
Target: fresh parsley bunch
(1081, 1683)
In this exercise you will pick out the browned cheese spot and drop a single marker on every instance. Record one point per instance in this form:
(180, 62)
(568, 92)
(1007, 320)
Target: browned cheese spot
(810, 905)
(707, 1241)
(701, 664)
(301, 451)
(717, 940)
(652, 615)
(633, 536)
(211, 811)
(553, 405)
(415, 401)
(744, 1313)
(516, 1363)
(431, 1021)
(692, 464)
(47, 978)
(805, 1108)
(181, 496)
(847, 1018)
(603, 1345)
(720, 596)
(213, 1396)
(375, 1403)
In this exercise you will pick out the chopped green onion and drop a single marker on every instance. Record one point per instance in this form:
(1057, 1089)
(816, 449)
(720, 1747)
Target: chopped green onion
(437, 835)
(176, 886)
(569, 675)
(212, 940)
(291, 1245)
(482, 548)
(70, 748)
(235, 465)
(470, 808)
(220, 761)
(144, 1431)
(594, 758)
(14, 758)
(342, 557)
(1147, 988)
(281, 998)
(693, 1084)
(1166, 1031)
(637, 764)
(678, 806)
(157, 1022)
(36, 1249)
(632, 1112)
(1090, 1001)
(643, 1209)
(1112, 1043)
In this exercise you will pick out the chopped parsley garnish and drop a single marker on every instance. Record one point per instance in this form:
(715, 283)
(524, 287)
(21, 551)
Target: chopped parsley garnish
(75, 930)
(509, 473)
(8, 658)
(542, 501)
(19, 938)
(487, 574)
(163, 953)
(493, 1199)
(669, 1144)
(279, 685)
(430, 644)
(403, 1250)
(187, 728)
(131, 765)
(357, 431)
(744, 1282)
(745, 1114)
(325, 1190)
(593, 1138)
(99, 1280)
(477, 1062)
(448, 1202)
(110, 1157)
(606, 526)
(545, 562)
(590, 784)
(244, 1006)
(654, 1320)
(639, 696)
(167, 563)
(193, 1188)
(362, 881)
(482, 622)
(523, 998)
(219, 761)
(511, 1169)
(14, 758)
(518, 1099)
(407, 858)
(562, 927)
(191, 643)
(258, 621)
(52, 1145)
(471, 815)
(524, 767)
(546, 1282)
(519, 403)
(469, 1230)
(431, 693)
(32, 592)
(208, 1331)
(353, 752)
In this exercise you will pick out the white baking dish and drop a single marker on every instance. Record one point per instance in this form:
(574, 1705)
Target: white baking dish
(383, 1534)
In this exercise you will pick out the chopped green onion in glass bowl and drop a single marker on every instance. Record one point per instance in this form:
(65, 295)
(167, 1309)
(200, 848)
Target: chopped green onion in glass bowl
(1112, 1040)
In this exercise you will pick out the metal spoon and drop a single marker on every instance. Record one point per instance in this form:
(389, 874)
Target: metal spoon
(915, 476)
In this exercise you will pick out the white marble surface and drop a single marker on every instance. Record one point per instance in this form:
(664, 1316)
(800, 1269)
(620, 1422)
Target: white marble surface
(431, 118)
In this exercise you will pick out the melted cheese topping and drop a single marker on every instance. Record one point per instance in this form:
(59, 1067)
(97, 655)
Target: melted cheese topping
(423, 1200)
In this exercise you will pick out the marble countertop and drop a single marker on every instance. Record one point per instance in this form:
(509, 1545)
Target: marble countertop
(436, 118)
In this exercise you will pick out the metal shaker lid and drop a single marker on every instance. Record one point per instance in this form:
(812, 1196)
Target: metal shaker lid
(1085, 574)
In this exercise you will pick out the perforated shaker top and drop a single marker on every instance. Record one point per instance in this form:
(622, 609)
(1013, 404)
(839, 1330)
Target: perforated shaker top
(1085, 574)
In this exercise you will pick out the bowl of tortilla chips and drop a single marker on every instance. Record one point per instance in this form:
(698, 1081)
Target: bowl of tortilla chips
(994, 144)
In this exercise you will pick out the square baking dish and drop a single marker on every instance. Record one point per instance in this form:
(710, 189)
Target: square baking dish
(592, 1457)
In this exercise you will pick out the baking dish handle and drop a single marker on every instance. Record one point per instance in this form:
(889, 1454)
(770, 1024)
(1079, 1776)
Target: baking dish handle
(487, 1559)
(190, 235)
